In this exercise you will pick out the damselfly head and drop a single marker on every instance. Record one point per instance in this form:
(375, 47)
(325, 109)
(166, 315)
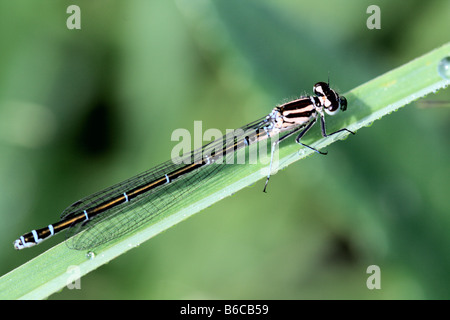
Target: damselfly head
(321, 89)
(331, 101)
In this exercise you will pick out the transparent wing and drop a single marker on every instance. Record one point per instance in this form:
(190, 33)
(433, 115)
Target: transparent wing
(128, 216)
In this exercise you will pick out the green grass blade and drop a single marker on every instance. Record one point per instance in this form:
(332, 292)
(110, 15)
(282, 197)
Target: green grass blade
(48, 273)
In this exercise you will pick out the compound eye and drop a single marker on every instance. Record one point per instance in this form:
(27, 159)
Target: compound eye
(332, 109)
(343, 103)
(320, 89)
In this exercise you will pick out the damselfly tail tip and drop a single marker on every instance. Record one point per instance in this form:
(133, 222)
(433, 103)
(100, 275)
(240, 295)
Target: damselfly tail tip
(22, 243)
(18, 245)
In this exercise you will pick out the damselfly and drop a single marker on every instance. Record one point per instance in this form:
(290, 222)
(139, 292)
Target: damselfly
(160, 188)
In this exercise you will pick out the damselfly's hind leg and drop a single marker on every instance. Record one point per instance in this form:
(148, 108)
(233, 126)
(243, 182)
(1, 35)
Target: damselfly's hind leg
(297, 140)
(300, 135)
(272, 151)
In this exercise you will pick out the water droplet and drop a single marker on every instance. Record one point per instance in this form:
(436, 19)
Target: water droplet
(90, 255)
(444, 68)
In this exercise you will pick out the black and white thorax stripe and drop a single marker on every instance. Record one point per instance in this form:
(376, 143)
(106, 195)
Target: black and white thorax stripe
(293, 114)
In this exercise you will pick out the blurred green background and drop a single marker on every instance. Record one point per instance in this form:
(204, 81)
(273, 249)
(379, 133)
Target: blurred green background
(83, 109)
